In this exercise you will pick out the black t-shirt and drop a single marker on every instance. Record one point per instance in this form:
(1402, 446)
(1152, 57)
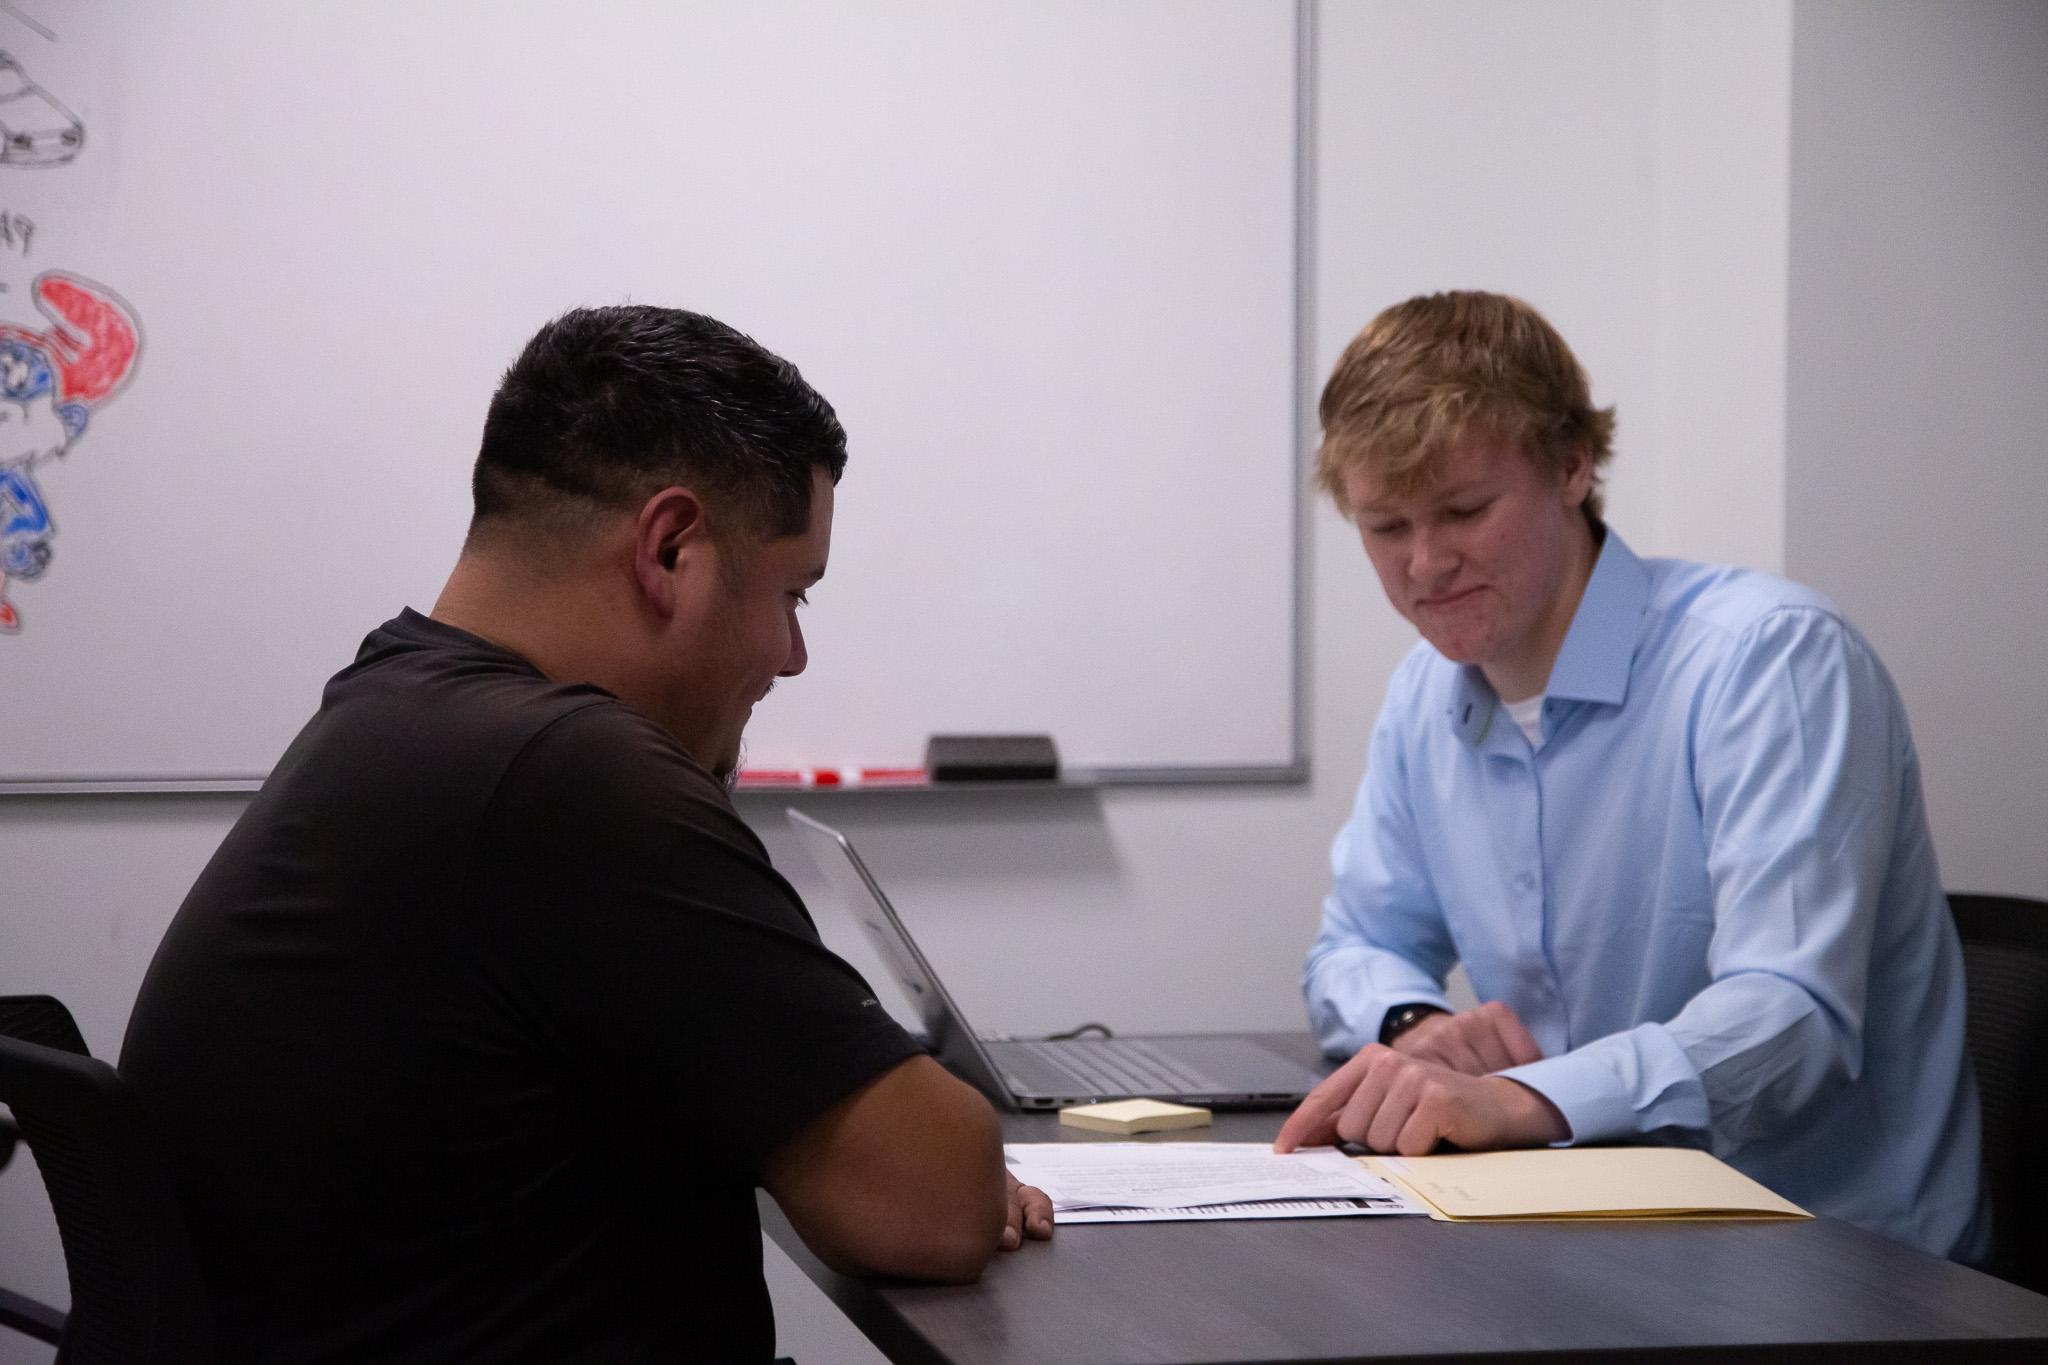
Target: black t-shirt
(469, 1042)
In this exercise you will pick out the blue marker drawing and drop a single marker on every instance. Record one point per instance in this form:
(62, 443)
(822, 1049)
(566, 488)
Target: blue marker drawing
(49, 382)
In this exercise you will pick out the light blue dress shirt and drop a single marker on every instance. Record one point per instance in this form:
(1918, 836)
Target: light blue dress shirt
(1710, 893)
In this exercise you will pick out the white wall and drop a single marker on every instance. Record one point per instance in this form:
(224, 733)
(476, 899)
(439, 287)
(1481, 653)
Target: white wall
(1624, 167)
(1723, 176)
(1918, 492)
(1470, 144)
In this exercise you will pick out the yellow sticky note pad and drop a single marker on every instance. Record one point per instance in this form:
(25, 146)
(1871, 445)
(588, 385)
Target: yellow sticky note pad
(1134, 1116)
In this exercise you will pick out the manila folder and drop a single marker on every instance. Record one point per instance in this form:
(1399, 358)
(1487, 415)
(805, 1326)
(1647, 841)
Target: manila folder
(1582, 1182)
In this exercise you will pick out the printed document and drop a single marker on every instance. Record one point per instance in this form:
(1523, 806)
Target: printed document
(1133, 1182)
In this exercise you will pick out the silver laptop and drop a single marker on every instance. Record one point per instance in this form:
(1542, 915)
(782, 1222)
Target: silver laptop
(1220, 1071)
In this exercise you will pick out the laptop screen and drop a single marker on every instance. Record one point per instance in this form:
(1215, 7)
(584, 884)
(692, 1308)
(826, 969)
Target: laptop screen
(951, 1039)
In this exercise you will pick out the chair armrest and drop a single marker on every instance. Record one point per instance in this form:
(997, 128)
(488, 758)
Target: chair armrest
(30, 1318)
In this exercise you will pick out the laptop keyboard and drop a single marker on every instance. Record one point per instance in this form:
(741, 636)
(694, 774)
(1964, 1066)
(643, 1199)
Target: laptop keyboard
(1115, 1066)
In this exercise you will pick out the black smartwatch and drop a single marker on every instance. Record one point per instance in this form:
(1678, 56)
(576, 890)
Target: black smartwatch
(1401, 1018)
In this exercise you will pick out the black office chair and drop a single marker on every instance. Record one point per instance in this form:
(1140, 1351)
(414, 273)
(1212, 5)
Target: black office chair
(19, 1312)
(135, 1294)
(2005, 963)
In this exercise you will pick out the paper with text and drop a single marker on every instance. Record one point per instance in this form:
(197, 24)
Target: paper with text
(1152, 1181)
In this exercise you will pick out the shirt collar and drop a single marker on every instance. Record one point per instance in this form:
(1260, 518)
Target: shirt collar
(1593, 663)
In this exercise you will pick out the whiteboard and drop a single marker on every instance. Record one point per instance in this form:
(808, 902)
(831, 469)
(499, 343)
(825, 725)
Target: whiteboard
(1041, 258)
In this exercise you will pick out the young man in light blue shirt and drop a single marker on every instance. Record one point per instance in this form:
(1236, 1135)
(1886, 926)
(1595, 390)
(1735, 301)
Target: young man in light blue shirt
(1667, 815)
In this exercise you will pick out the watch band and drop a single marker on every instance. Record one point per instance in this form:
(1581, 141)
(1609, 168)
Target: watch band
(1401, 1018)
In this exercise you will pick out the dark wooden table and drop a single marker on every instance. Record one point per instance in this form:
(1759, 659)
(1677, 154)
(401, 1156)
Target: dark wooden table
(1412, 1289)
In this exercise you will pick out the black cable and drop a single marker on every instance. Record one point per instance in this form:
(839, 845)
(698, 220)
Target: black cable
(1099, 1030)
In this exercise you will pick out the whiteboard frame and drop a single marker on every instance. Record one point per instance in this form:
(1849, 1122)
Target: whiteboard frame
(1295, 772)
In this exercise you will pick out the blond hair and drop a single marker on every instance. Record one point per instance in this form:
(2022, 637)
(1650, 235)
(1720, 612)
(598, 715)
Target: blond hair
(1424, 373)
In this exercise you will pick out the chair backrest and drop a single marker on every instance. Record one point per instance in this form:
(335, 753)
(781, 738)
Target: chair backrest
(2005, 963)
(135, 1294)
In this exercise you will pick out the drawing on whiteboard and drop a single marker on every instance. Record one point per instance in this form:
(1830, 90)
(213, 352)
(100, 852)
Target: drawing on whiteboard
(17, 230)
(49, 382)
(13, 11)
(35, 130)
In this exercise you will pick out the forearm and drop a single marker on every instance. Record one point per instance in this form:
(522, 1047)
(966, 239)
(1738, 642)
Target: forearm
(1527, 1117)
(948, 1230)
(904, 1178)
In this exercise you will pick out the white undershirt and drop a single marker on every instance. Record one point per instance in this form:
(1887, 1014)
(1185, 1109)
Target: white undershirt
(1528, 714)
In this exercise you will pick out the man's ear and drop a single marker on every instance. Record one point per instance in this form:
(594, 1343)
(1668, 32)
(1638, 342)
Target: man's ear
(1578, 477)
(668, 536)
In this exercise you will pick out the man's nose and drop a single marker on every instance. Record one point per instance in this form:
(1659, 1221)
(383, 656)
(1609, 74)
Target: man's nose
(1431, 554)
(799, 656)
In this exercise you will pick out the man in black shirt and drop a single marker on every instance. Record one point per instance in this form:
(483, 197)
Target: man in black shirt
(476, 1036)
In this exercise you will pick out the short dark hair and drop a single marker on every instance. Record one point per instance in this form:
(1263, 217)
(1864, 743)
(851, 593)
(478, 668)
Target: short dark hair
(607, 406)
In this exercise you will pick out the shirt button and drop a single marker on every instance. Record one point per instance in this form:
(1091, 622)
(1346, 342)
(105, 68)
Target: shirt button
(1525, 882)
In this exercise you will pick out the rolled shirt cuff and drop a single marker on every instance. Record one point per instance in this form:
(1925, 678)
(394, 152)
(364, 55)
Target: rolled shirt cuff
(1342, 1027)
(1347, 1015)
(1620, 1086)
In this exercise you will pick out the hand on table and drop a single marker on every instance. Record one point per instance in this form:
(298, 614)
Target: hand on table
(1030, 1215)
(1389, 1102)
(1477, 1042)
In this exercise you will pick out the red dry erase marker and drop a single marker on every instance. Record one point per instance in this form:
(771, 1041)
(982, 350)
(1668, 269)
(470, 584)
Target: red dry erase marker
(772, 777)
(891, 775)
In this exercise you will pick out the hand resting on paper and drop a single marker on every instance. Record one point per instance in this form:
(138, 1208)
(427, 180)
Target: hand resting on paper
(1030, 1215)
(1389, 1102)
(1477, 1042)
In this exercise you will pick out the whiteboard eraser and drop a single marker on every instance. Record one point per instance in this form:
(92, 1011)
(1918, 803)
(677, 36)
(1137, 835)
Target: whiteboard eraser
(1134, 1116)
(991, 758)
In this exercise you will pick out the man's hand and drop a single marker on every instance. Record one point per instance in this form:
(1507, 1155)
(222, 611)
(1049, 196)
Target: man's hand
(1030, 1215)
(1477, 1042)
(1388, 1102)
